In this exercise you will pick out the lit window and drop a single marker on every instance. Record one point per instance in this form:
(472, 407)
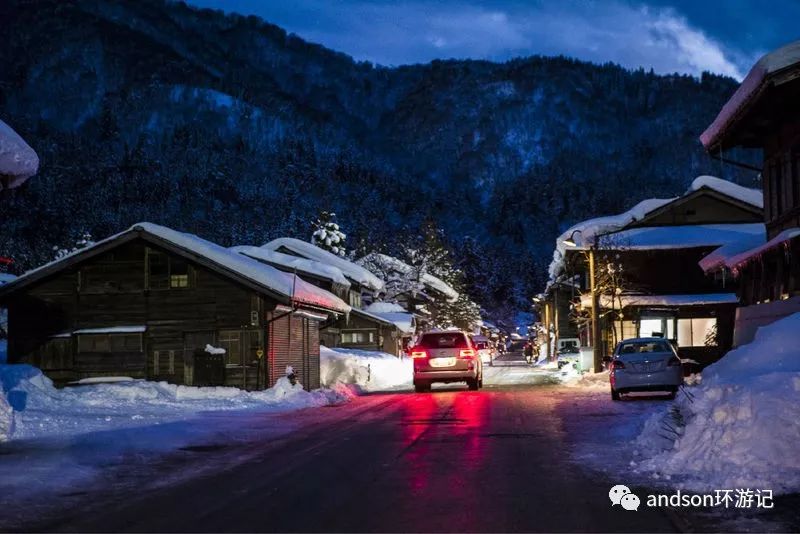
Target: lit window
(700, 332)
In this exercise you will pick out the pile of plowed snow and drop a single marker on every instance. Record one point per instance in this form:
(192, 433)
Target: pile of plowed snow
(739, 425)
(30, 406)
(369, 370)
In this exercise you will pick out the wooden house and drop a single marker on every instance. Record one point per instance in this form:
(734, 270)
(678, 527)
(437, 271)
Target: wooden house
(359, 329)
(648, 273)
(155, 303)
(764, 113)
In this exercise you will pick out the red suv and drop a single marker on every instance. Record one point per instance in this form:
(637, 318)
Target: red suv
(446, 357)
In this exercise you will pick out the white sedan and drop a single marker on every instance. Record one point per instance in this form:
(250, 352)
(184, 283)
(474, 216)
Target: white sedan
(645, 364)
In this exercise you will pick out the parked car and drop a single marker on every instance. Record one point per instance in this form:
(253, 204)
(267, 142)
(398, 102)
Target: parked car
(446, 357)
(569, 355)
(645, 364)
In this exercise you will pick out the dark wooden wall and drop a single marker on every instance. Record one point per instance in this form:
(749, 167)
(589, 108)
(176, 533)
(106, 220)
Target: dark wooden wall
(109, 291)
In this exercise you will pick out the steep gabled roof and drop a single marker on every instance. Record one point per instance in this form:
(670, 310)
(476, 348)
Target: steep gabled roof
(778, 66)
(264, 278)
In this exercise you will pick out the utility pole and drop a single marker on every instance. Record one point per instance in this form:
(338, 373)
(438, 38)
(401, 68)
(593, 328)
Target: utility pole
(598, 355)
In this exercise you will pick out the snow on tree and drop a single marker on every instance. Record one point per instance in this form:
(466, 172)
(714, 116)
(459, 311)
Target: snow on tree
(327, 235)
(84, 240)
(431, 256)
(399, 277)
(18, 161)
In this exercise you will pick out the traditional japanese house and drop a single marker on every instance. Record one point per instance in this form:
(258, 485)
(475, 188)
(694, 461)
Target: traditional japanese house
(647, 273)
(155, 303)
(764, 113)
(360, 329)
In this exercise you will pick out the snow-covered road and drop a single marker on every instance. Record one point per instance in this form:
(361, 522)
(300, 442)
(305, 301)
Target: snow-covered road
(518, 458)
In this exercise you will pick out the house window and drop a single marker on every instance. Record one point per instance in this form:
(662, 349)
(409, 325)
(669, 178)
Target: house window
(358, 337)
(178, 273)
(110, 343)
(164, 272)
(355, 299)
(699, 332)
(230, 340)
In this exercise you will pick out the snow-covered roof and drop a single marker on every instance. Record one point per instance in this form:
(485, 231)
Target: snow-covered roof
(737, 261)
(703, 299)
(136, 329)
(586, 233)
(6, 278)
(18, 161)
(395, 314)
(754, 83)
(268, 277)
(302, 265)
(384, 307)
(677, 237)
(403, 321)
(754, 197)
(719, 257)
(391, 263)
(313, 252)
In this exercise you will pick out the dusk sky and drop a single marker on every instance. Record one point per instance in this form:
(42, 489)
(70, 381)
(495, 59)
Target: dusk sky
(668, 35)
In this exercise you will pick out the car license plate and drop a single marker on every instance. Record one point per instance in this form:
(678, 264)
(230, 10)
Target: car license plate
(443, 362)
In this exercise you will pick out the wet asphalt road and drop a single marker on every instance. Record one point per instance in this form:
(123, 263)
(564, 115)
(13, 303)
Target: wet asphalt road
(450, 460)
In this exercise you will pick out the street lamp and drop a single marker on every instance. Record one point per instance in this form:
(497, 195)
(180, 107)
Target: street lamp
(595, 315)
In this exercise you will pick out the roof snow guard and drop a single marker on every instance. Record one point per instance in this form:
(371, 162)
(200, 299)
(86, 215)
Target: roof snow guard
(283, 286)
(18, 161)
(760, 78)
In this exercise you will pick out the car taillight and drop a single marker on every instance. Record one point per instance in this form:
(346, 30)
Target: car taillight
(466, 353)
(419, 353)
(674, 361)
(616, 364)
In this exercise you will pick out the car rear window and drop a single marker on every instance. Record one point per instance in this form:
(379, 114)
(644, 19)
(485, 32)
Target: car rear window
(636, 347)
(444, 341)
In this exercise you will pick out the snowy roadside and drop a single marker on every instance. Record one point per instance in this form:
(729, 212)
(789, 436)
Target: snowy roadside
(60, 442)
(367, 370)
(738, 425)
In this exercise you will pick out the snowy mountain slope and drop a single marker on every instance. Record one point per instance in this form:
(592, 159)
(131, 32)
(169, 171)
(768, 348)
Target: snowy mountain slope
(153, 110)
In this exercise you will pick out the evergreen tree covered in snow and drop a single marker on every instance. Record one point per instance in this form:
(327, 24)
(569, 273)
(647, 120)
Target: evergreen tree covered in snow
(433, 257)
(327, 235)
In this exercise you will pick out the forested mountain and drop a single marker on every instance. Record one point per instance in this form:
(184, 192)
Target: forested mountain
(228, 127)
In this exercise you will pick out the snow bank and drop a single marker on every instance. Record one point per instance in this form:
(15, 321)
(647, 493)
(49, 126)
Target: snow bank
(17, 159)
(742, 420)
(594, 381)
(369, 370)
(42, 410)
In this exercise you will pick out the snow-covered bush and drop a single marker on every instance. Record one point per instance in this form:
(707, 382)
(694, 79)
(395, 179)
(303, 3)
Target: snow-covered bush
(740, 425)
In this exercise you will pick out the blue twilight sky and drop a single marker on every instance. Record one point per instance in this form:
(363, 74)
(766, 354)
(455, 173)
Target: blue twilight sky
(690, 36)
